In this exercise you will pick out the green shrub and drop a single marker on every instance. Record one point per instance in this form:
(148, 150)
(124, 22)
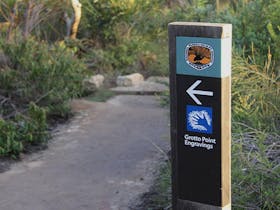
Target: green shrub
(35, 88)
(100, 18)
(255, 94)
(255, 146)
(135, 55)
(115, 58)
(48, 75)
(126, 36)
(9, 142)
(255, 168)
(18, 134)
(254, 24)
(41, 18)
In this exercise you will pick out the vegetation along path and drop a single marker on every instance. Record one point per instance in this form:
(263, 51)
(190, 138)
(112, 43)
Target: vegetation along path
(104, 159)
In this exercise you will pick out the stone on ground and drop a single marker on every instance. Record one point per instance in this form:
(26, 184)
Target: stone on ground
(93, 83)
(130, 80)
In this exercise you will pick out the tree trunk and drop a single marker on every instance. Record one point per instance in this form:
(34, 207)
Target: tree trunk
(77, 6)
(222, 4)
(218, 5)
(170, 3)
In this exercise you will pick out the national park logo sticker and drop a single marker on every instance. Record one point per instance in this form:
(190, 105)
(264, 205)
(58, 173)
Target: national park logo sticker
(199, 55)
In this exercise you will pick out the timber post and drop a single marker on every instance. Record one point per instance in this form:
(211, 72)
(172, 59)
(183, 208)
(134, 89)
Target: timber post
(200, 91)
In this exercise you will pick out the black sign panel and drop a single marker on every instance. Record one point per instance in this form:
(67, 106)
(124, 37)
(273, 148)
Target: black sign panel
(199, 139)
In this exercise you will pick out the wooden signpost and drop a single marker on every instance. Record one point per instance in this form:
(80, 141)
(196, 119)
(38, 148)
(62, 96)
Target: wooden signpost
(200, 88)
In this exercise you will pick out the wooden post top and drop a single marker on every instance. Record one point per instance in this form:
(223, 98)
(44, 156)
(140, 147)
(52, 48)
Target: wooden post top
(199, 29)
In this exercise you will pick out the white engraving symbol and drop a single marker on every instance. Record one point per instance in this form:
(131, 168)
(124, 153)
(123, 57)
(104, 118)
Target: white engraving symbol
(195, 117)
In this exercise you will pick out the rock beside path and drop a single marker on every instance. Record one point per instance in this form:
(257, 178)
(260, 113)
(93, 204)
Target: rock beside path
(93, 83)
(130, 80)
(134, 84)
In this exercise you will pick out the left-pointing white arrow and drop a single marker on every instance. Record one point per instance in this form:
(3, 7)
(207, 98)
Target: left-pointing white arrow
(192, 92)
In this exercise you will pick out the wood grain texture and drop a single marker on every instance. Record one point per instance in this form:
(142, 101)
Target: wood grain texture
(226, 140)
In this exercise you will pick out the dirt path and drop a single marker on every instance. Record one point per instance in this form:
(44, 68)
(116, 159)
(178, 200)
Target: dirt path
(102, 160)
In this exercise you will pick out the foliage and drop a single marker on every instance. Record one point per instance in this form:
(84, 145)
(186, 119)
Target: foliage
(255, 168)
(117, 23)
(24, 130)
(103, 19)
(128, 57)
(255, 23)
(256, 92)
(47, 75)
(164, 99)
(127, 36)
(256, 120)
(101, 16)
(40, 18)
(40, 78)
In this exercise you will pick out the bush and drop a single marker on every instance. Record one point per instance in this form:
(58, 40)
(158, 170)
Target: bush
(255, 27)
(18, 134)
(35, 87)
(101, 17)
(255, 168)
(256, 94)
(128, 38)
(41, 18)
(48, 75)
(255, 146)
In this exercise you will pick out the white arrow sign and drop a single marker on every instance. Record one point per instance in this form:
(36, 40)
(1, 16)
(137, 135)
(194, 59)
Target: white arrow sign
(192, 92)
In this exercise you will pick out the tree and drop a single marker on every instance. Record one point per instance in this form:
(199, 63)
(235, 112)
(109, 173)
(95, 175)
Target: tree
(72, 23)
(42, 15)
